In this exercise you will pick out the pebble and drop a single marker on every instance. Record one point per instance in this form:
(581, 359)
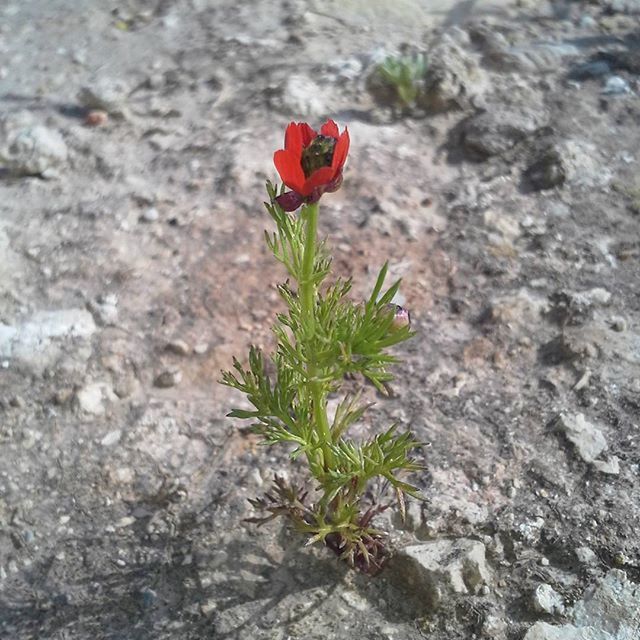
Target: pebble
(301, 96)
(585, 555)
(201, 348)
(104, 94)
(209, 607)
(105, 309)
(126, 521)
(168, 378)
(92, 397)
(546, 600)
(179, 347)
(148, 597)
(28, 148)
(150, 215)
(616, 85)
(96, 118)
(113, 437)
(588, 439)
(590, 70)
(619, 324)
(436, 567)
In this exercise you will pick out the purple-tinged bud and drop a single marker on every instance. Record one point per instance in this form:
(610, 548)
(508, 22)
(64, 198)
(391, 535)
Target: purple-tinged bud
(401, 317)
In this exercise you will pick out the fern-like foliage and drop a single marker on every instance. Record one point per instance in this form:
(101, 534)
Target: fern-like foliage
(316, 349)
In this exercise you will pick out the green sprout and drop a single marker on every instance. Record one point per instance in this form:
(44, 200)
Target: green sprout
(403, 76)
(323, 338)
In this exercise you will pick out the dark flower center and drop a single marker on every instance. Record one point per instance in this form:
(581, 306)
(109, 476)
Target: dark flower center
(318, 154)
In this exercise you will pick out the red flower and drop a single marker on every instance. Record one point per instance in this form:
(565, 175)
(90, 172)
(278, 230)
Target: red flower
(310, 163)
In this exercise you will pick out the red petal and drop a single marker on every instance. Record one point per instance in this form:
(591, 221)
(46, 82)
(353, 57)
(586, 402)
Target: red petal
(340, 152)
(330, 129)
(307, 134)
(318, 178)
(290, 170)
(293, 139)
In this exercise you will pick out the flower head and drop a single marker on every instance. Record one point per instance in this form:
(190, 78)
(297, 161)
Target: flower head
(401, 317)
(311, 163)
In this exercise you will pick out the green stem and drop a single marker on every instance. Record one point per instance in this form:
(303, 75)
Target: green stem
(308, 297)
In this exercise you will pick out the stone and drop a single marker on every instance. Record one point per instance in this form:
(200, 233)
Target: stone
(302, 97)
(545, 631)
(201, 348)
(92, 397)
(105, 310)
(616, 85)
(515, 309)
(609, 610)
(500, 55)
(168, 378)
(495, 628)
(588, 440)
(590, 70)
(179, 347)
(148, 597)
(576, 162)
(619, 324)
(631, 7)
(610, 466)
(104, 94)
(436, 568)
(546, 599)
(28, 148)
(150, 215)
(585, 555)
(576, 307)
(113, 437)
(96, 118)
(124, 522)
(39, 341)
(454, 77)
(497, 129)
(547, 170)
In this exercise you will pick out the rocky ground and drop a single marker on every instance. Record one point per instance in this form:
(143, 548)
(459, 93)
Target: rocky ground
(132, 268)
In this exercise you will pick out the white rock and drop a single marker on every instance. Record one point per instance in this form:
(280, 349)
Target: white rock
(28, 148)
(588, 440)
(598, 295)
(151, 215)
(585, 555)
(454, 76)
(610, 466)
(92, 397)
(544, 631)
(302, 97)
(616, 85)
(125, 521)
(113, 437)
(547, 600)
(495, 627)
(38, 342)
(440, 566)
(609, 610)
(106, 94)
(105, 309)
(612, 605)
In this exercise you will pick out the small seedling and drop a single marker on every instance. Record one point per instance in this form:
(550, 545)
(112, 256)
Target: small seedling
(323, 337)
(403, 76)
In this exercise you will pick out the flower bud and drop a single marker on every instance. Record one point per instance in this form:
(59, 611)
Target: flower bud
(401, 317)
